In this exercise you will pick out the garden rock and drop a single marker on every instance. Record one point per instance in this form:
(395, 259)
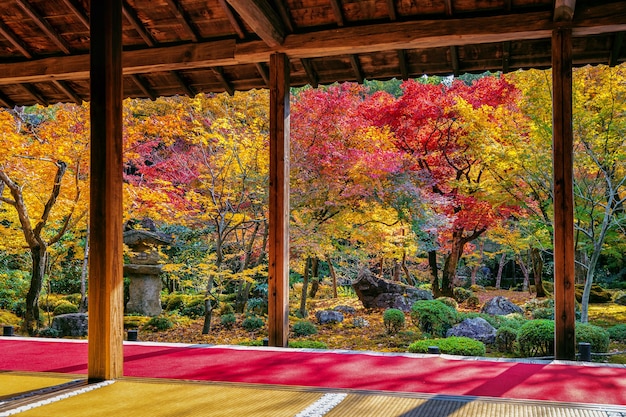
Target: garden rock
(345, 309)
(328, 316)
(375, 292)
(476, 328)
(620, 299)
(74, 324)
(501, 306)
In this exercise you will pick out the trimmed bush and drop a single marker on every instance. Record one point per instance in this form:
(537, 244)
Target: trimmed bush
(536, 338)
(597, 336)
(449, 301)
(159, 323)
(473, 301)
(256, 306)
(618, 333)
(176, 302)
(9, 319)
(64, 307)
(307, 344)
(49, 332)
(194, 307)
(228, 320)
(252, 323)
(135, 321)
(432, 317)
(226, 308)
(543, 313)
(505, 339)
(461, 294)
(304, 328)
(393, 319)
(454, 345)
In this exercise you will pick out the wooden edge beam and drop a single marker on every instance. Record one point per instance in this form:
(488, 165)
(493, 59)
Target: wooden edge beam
(78, 12)
(234, 22)
(454, 60)
(618, 42)
(356, 67)
(10, 36)
(278, 242)
(310, 72)
(336, 6)
(36, 94)
(133, 19)
(263, 20)
(68, 91)
(404, 66)
(143, 86)
(183, 18)
(219, 73)
(184, 84)
(564, 10)
(260, 67)
(44, 26)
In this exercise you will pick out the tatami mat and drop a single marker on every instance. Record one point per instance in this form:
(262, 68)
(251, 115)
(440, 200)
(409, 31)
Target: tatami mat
(17, 383)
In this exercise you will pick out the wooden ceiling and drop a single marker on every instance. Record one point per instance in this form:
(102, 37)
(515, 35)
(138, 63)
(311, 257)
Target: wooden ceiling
(191, 46)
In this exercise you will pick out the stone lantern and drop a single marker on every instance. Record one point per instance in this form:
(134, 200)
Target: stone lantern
(143, 271)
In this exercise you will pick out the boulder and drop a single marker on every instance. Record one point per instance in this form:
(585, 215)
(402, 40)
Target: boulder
(328, 316)
(620, 299)
(500, 306)
(375, 292)
(476, 328)
(74, 324)
(345, 309)
(598, 295)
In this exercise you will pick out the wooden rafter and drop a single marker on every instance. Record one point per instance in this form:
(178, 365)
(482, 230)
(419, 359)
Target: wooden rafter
(78, 12)
(262, 18)
(618, 42)
(340, 41)
(10, 36)
(283, 11)
(183, 18)
(143, 86)
(336, 6)
(184, 84)
(391, 9)
(454, 60)
(311, 75)
(131, 16)
(404, 67)
(68, 91)
(234, 22)
(6, 101)
(356, 67)
(35, 93)
(260, 67)
(506, 56)
(219, 73)
(44, 26)
(564, 10)
(449, 7)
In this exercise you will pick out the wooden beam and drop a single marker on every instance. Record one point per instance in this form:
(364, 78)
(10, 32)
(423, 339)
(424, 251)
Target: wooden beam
(35, 93)
(449, 8)
(506, 56)
(340, 41)
(44, 26)
(618, 42)
(262, 18)
(564, 10)
(391, 9)
(106, 284)
(311, 75)
(336, 6)
(68, 91)
(78, 12)
(184, 84)
(356, 67)
(278, 280)
(5, 101)
(143, 86)
(283, 11)
(10, 36)
(234, 22)
(184, 20)
(219, 73)
(564, 295)
(454, 60)
(404, 66)
(260, 67)
(133, 19)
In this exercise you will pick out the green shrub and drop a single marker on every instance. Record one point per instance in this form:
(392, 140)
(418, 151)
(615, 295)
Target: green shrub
(256, 306)
(597, 336)
(505, 339)
(618, 333)
(304, 328)
(13, 288)
(228, 320)
(432, 317)
(307, 344)
(473, 301)
(135, 321)
(252, 323)
(461, 294)
(9, 319)
(159, 323)
(227, 308)
(256, 342)
(49, 301)
(454, 345)
(73, 298)
(536, 338)
(194, 307)
(543, 313)
(449, 301)
(49, 332)
(393, 319)
(64, 307)
(176, 302)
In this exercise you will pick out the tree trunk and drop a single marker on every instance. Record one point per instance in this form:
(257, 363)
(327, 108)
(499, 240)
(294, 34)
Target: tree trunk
(434, 273)
(397, 268)
(333, 275)
(242, 295)
(39, 255)
(584, 308)
(452, 262)
(500, 269)
(305, 284)
(522, 265)
(315, 282)
(409, 278)
(537, 262)
(83, 276)
(474, 274)
(208, 307)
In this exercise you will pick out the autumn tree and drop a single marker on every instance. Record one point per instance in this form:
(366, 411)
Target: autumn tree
(43, 171)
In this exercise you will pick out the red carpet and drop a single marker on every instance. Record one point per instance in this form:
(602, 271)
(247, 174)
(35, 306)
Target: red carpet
(556, 382)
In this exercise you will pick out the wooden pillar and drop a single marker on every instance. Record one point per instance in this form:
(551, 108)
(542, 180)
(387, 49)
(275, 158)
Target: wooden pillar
(278, 288)
(106, 286)
(562, 138)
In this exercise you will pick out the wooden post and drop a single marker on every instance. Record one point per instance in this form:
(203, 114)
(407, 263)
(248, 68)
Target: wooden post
(106, 285)
(278, 322)
(562, 138)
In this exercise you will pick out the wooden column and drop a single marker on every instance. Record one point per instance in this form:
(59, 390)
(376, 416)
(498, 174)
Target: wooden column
(105, 260)
(562, 138)
(279, 202)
